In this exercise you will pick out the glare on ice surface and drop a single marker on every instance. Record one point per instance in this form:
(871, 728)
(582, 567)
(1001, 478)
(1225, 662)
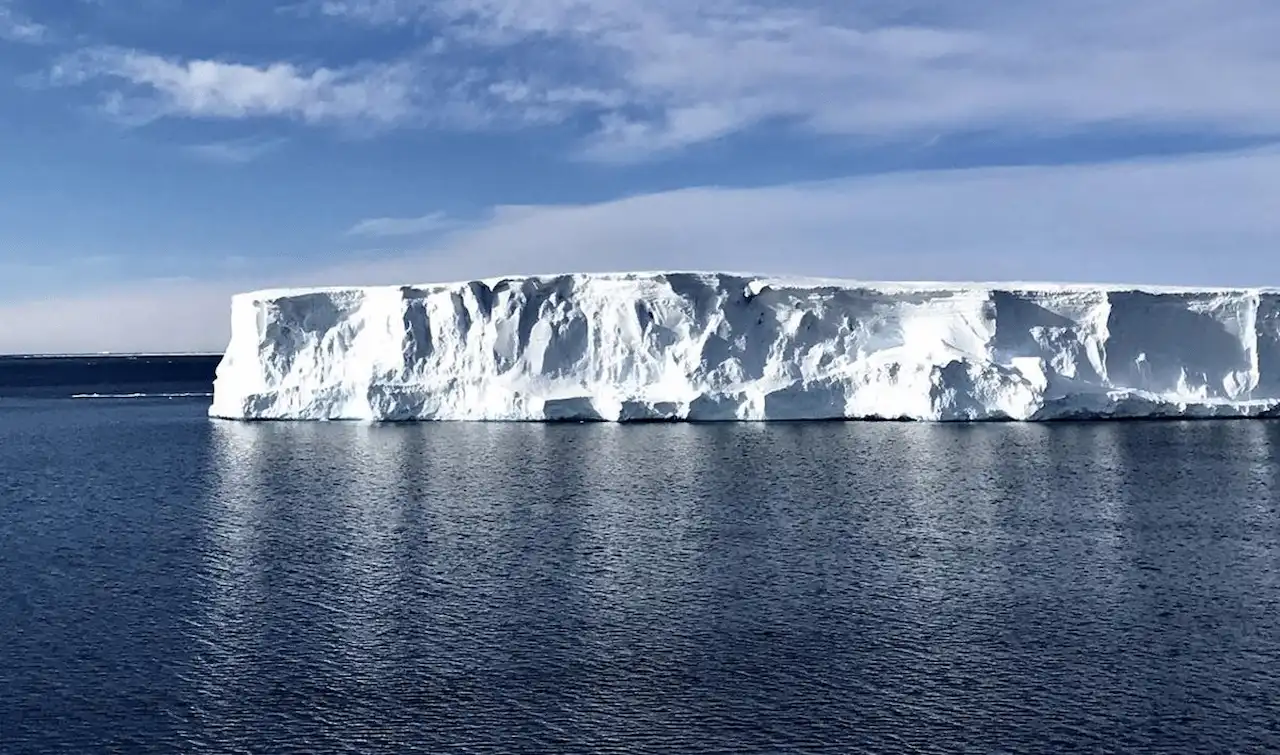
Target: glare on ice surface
(719, 346)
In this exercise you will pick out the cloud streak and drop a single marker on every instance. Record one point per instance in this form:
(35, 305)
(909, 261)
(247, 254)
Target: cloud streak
(1208, 220)
(683, 72)
(389, 227)
(638, 78)
(234, 151)
(152, 86)
(16, 27)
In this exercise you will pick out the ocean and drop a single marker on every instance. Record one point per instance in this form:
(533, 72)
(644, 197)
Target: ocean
(173, 583)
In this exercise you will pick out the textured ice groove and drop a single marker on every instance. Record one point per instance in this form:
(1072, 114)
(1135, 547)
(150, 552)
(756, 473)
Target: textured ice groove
(715, 346)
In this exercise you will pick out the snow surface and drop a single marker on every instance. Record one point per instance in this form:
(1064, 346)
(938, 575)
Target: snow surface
(717, 346)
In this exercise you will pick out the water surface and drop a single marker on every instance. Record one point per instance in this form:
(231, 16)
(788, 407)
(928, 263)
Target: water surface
(173, 583)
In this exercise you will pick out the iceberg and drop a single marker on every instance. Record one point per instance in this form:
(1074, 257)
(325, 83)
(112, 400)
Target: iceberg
(720, 347)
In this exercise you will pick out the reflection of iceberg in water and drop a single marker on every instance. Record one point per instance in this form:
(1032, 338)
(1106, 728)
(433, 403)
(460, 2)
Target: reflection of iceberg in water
(1262, 512)
(928, 457)
(366, 517)
(1102, 500)
(540, 587)
(647, 533)
(299, 539)
(234, 601)
(232, 528)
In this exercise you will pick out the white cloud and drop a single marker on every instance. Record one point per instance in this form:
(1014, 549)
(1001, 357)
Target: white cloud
(1204, 220)
(670, 73)
(234, 151)
(159, 86)
(16, 27)
(384, 227)
(655, 76)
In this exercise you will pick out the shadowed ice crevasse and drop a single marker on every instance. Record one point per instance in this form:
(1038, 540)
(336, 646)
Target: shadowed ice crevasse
(717, 346)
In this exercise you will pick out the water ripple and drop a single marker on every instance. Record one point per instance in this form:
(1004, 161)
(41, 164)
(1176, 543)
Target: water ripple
(179, 585)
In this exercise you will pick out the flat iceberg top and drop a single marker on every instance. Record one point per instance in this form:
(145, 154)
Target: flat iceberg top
(728, 346)
(776, 281)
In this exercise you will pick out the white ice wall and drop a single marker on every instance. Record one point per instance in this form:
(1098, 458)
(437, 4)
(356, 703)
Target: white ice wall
(704, 346)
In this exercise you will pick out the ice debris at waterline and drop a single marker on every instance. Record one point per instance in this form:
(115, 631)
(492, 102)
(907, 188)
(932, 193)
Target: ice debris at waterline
(704, 346)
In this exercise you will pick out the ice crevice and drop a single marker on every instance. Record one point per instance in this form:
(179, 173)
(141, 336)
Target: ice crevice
(720, 346)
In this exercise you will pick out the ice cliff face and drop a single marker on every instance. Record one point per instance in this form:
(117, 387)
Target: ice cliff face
(699, 346)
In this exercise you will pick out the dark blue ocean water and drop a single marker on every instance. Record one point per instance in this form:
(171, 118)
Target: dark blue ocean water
(174, 584)
(106, 376)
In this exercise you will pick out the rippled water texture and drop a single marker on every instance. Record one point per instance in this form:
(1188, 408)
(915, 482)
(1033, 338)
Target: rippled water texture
(176, 584)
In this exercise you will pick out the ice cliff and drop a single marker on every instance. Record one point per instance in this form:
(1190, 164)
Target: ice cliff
(706, 346)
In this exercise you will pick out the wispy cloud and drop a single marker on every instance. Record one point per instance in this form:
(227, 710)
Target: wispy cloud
(234, 151)
(388, 227)
(637, 78)
(680, 72)
(151, 86)
(16, 27)
(1169, 221)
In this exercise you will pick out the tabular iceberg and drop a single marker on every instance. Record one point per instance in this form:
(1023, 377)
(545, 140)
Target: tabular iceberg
(716, 346)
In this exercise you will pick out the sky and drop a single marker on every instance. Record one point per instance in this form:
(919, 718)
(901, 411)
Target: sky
(157, 156)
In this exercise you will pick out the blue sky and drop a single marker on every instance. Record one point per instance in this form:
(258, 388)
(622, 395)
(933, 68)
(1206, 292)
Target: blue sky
(159, 155)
